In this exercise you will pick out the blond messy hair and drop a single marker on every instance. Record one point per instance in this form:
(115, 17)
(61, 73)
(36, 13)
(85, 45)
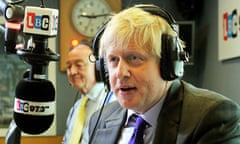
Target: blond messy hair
(135, 24)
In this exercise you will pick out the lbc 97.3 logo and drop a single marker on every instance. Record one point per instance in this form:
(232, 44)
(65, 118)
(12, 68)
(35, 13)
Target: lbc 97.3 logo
(231, 23)
(40, 21)
(37, 21)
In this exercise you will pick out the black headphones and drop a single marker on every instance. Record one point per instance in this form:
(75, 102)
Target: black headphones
(172, 54)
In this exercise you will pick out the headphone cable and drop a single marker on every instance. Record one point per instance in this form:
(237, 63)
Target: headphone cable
(99, 116)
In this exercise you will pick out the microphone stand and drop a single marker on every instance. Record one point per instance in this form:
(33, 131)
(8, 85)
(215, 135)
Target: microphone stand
(13, 135)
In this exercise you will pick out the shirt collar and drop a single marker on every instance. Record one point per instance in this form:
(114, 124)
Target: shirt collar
(151, 115)
(95, 92)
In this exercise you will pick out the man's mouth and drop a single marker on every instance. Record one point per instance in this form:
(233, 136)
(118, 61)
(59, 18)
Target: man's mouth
(127, 88)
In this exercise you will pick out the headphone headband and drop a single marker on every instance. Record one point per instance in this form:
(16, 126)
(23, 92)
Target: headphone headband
(155, 10)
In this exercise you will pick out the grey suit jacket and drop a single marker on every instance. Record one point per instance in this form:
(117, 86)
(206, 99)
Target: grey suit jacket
(189, 115)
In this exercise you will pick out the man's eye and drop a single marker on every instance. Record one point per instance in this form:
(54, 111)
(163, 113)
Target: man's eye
(134, 58)
(113, 59)
(80, 65)
(68, 66)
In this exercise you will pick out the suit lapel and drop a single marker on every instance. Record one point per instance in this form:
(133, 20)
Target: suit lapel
(112, 127)
(169, 117)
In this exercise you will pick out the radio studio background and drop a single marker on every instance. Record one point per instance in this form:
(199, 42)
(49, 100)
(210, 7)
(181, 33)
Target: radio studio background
(205, 69)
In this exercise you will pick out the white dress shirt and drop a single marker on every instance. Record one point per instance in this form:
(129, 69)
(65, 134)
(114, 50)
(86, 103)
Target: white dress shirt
(96, 98)
(150, 117)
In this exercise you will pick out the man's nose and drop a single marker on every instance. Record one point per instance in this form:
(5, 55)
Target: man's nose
(123, 69)
(73, 70)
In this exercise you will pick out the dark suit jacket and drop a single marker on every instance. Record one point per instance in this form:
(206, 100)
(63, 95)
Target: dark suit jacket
(189, 116)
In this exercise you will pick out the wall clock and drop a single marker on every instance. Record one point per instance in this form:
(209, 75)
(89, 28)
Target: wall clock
(89, 15)
(68, 32)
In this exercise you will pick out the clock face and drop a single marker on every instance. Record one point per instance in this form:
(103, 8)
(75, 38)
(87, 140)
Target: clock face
(89, 15)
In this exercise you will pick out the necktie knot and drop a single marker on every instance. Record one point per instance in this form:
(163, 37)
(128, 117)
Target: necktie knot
(84, 101)
(140, 125)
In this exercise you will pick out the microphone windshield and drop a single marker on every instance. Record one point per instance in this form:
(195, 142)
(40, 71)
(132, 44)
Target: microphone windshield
(34, 105)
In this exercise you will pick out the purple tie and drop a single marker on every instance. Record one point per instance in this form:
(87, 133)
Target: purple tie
(137, 137)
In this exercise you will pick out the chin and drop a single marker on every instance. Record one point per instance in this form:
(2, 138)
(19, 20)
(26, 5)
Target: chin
(126, 104)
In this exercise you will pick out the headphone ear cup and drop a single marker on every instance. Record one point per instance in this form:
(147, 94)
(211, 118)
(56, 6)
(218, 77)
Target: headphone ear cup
(98, 71)
(171, 65)
(105, 73)
(165, 64)
(172, 61)
(102, 74)
(101, 71)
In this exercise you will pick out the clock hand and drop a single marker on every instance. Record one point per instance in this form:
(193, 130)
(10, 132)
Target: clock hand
(89, 23)
(94, 16)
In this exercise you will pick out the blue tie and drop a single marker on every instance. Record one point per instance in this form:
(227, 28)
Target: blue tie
(137, 137)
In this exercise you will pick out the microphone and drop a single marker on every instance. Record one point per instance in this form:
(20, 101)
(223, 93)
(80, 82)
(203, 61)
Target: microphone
(34, 104)
(14, 15)
(11, 34)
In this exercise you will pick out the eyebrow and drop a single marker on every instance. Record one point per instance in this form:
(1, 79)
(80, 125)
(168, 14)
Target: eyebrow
(75, 61)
